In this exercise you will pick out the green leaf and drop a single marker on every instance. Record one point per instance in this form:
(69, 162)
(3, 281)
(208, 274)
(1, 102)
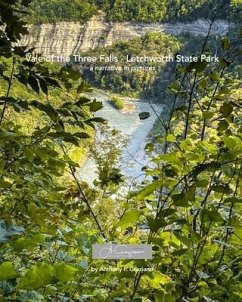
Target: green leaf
(68, 137)
(7, 271)
(226, 44)
(82, 101)
(144, 115)
(163, 297)
(30, 296)
(5, 184)
(202, 183)
(47, 108)
(226, 109)
(214, 76)
(233, 200)
(95, 106)
(146, 191)
(7, 134)
(96, 120)
(130, 217)
(211, 216)
(180, 200)
(43, 85)
(208, 114)
(52, 82)
(224, 62)
(204, 83)
(33, 83)
(156, 224)
(223, 125)
(20, 105)
(204, 167)
(159, 279)
(37, 276)
(81, 135)
(225, 189)
(23, 243)
(197, 66)
(70, 73)
(64, 272)
(170, 138)
(149, 147)
(234, 143)
(81, 87)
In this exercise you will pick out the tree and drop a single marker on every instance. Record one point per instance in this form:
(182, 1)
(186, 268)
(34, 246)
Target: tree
(37, 196)
(194, 202)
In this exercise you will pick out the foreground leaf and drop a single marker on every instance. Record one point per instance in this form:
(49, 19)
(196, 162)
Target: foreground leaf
(7, 271)
(37, 277)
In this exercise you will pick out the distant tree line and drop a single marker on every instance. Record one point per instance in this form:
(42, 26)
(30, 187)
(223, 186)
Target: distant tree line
(42, 11)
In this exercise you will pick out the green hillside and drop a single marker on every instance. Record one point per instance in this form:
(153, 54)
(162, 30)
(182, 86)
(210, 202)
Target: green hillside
(134, 81)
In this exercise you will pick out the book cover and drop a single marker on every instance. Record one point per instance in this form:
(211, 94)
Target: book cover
(120, 151)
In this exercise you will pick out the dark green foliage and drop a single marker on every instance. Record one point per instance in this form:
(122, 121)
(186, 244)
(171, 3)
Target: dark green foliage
(106, 153)
(190, 46)
(130, 10)
(135, 80)
(144, 115)
(45, 11)
(37, 133)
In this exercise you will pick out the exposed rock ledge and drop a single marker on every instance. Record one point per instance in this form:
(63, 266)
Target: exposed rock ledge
(67, 38)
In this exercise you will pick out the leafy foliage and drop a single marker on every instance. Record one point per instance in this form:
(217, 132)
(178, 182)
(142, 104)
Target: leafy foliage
(151, 11)
(126, 10)
(135, 80)
(193, 206)
(44, 11)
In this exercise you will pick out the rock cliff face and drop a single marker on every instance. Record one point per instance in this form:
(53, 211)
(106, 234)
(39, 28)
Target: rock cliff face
(67, 38)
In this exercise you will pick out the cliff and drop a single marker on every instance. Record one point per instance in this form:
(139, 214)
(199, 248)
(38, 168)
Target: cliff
(66, 38)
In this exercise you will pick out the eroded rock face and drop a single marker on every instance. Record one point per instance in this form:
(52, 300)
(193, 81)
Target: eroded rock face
(67, 38)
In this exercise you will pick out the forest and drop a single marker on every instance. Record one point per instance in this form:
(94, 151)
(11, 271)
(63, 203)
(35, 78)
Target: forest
(134, 82)
(141, 83)
(187, 206)
(44, 11)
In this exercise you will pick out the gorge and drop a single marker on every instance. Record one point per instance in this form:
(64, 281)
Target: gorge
(65, 39)
(71, 38)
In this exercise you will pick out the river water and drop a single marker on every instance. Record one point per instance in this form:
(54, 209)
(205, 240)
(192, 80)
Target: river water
(129, 124)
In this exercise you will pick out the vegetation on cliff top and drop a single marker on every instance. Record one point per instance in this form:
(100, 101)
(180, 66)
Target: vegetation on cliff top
(44, 11)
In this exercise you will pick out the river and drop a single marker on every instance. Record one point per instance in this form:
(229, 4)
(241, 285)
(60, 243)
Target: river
(133, 156)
